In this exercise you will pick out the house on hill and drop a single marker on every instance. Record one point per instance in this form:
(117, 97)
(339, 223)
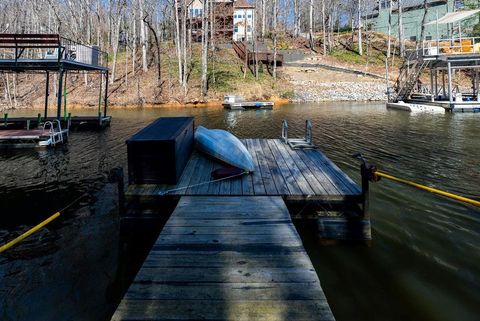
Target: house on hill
(233, 19)
(412, 15)
(243, 20)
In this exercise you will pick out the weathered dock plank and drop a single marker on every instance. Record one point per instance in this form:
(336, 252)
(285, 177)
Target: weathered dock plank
(227, 258)
(279, 171)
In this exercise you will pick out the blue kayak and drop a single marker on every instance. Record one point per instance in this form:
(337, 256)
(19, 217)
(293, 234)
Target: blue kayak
(224, 147)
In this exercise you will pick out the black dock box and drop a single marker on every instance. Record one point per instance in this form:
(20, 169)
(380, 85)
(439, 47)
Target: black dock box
(158, 153)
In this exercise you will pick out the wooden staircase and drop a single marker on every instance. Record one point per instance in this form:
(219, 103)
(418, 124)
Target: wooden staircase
(408, 77)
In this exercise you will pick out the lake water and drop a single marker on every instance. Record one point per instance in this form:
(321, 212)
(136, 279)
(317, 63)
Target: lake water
(423, 263)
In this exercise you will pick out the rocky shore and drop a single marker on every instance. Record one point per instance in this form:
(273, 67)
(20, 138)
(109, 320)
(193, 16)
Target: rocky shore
(314, 91)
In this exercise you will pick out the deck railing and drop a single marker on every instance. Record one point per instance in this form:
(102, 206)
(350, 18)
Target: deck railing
(467, 45)
(50, 47)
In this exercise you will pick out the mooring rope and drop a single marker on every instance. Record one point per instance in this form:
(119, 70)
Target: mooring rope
(162, 193)
(37, 227)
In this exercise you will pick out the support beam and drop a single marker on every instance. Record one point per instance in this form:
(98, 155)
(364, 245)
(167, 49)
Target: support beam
(443, 85)
(106, 95)
(432, 94)
(450, 96)
(47, 93)
(60, 93)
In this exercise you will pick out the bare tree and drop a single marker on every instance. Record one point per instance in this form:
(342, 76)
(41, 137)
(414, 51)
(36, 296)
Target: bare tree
(389, 33)
(424, 20)
(205, 47)
(359, 19)
(143, 36)
(274, 39)
(400, 28)
(310, 27)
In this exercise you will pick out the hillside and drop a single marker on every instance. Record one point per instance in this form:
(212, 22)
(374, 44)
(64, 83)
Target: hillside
(138, 88)
(134, 87)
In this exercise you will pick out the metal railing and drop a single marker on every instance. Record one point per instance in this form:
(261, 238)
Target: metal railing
(467, 45)
(38, 47)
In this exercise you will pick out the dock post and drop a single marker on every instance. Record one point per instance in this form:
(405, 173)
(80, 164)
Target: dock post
(365, 190)
(116, 175)
(106, 95)
(47, 93)
(431, 85)
(450, 98)
(60, 94)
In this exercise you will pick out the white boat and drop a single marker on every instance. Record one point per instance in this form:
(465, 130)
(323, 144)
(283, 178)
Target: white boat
(223, 146)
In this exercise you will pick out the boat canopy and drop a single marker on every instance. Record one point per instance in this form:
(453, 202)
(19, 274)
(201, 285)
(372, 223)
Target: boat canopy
(453, 17)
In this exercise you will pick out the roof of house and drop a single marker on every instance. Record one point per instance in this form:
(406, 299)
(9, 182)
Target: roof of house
(242, 4)
(406, 4)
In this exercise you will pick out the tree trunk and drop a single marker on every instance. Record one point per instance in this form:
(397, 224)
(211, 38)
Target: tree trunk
(400, 29)
(389, 33)
(424, 20)
(205, 48)
(359, 17)
(264, 17)
(254, 35)
(324, 29)
(310, 27)
(296, 19)
(245, 44)
(157, 44)
(184, 45)
(178, 42)
(274, 39)
(143, 37)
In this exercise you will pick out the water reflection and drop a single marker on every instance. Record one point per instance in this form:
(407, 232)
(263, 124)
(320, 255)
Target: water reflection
(423, 263)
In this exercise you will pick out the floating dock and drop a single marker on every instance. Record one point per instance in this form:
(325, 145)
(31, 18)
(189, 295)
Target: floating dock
(249, 105)
(295, 175)
(71, 122)
(227, 258)
(239, 103)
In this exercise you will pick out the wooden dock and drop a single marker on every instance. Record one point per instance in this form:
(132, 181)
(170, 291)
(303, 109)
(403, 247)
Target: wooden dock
(302, 174)
(227, 258)
(77, 122)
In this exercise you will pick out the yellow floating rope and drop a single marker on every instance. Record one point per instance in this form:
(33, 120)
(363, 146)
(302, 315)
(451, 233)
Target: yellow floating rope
(428, 189)
(28, 233)
(37, 227)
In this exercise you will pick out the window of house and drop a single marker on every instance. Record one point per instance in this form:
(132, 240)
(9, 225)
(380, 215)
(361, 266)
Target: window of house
(384, 4)
(249, 16)
(200, 12)
(196, 13)
(459, 4)
(191, 12)
(428, 38)
(413, 38)
(235, 29)
(249, 28)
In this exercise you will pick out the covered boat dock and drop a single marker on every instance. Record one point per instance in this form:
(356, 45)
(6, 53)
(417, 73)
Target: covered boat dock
(51, 54)
(442, 59)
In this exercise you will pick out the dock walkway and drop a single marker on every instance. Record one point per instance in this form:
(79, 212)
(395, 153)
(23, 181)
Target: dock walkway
(227, 258)
(302, 174)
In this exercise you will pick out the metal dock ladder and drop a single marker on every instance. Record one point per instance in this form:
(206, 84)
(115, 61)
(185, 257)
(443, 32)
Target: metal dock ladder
(296, 143)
